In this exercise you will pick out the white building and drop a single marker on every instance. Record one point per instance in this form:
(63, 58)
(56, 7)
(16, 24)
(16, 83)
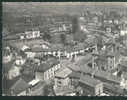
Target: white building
(123, 82)
(20, 60)
(61, 78)
(13, 72)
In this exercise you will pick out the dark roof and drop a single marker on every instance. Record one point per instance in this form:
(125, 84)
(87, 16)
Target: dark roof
(9, 83)
(107, 76)
(19, 86)
(87, 58)
(85, 79)
(114, 89)
(52, 61)
(86, 69)
(100, 74)
(27, 78)
(45, 66)
(75, 75)
(40, 84)
(7, 66)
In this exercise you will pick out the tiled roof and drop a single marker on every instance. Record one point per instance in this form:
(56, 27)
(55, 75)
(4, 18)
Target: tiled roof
(73, 67)
(19, 86)
(63, 72)
(107, 76)
(89, 81)
(114, 89)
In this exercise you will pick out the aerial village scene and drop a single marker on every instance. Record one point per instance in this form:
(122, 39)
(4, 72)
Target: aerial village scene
(64, 49)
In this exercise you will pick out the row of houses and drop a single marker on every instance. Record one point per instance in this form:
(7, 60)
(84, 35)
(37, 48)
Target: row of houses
(73, 75)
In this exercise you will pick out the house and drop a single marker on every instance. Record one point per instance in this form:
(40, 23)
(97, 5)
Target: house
(20, 60)
(25, 47)
(105, 61)
(22, 36)
(90, 85)
(112, 90)
(106, 77)
(14, 72)
(32, 34)
(123, 65)
(7, 58)
(83, 60)
(74, 79)
(46, 70)
(7, 55)
(100, 75)
(19, 88)
(36, 88)
(62, 78)
(123, 82)
(30, 53)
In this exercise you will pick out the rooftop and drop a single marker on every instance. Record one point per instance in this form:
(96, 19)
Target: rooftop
(84, 60)
(75, 75)
(19, 86)
(125, 75)
(86, 69)
(45, 66)
(106, 76)
(89, 81)
(63, 72)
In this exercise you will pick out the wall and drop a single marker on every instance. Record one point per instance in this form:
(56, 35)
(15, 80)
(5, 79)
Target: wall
(23, 93)
(39, 75)
(51, 72)
(99, 89)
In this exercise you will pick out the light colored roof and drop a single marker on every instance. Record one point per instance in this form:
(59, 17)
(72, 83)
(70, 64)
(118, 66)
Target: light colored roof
(63, 72)
(73, 67)
(24, 47)
(33, 82)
